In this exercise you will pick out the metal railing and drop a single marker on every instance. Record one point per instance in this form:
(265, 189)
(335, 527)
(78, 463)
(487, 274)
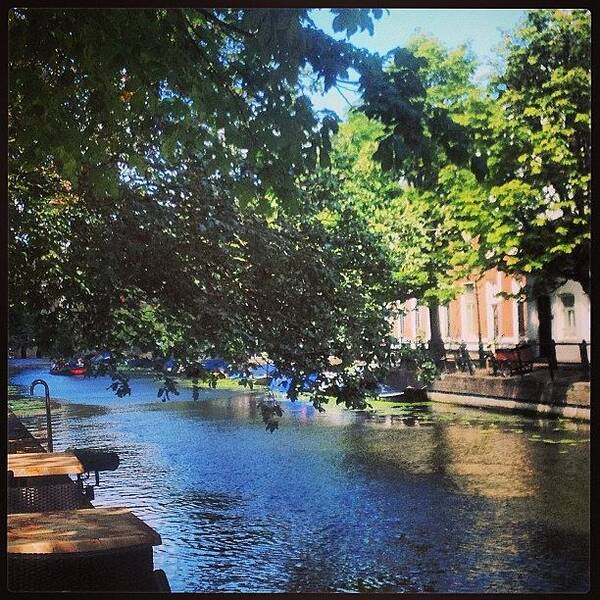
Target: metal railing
(548, 350)
(48, 415)
(544, 350)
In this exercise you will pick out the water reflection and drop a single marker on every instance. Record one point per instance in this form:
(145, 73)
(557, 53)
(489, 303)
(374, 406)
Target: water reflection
(399, 498)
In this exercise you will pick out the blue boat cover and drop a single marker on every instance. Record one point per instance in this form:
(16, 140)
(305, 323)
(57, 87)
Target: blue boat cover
(215, 364)
(282, 384)
(267, 370)
(169, 364)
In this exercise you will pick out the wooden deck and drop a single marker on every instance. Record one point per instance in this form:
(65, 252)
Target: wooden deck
(82, 530)
(37, 464)
(112, 542)
(20, 439)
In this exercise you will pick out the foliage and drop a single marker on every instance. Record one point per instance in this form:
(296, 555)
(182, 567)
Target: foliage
(96, 95)
(540, 151)
(513, 192)
(173, 191)
(216, 282)
(420, 359)
(404, 198)
(505, 182)
(154, 156)
(270, 411)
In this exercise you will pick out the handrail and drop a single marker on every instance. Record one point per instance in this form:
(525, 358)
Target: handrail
(48, 416)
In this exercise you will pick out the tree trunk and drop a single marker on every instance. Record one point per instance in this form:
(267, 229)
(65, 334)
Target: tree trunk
(544, 311)
(436, 345)
(582, 270)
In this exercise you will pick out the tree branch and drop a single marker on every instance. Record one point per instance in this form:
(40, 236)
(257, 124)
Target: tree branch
(188, 26)
(337, 87)
(223, 25)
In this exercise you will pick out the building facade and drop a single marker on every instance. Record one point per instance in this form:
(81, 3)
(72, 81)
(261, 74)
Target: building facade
(495, 310)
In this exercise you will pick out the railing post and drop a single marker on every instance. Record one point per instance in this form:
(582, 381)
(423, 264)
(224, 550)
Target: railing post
(585, 361)
(481, 355)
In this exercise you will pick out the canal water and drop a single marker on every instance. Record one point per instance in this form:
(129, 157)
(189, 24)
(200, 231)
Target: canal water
(398, 499)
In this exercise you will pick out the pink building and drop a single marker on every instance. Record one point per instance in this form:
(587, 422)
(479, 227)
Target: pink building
(482, 312)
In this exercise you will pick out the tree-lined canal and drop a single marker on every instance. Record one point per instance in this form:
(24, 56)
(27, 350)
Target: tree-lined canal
(405, 498)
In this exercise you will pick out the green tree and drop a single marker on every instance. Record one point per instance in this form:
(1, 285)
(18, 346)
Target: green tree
(153, 163)
(96, 94)
(423, 227)
(415, 226)
(536, 216)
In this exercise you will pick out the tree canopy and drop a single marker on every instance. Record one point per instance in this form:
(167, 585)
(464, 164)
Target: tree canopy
(540, 160)
(154, 156)
(149, 92)
(173, 190)
(516, 193)
(407, 201)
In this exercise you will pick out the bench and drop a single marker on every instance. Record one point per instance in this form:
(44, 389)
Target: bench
(459, 357)
(510, 361)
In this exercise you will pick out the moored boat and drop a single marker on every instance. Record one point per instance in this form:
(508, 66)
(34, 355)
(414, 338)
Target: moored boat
(77, 371)
(73, 367)
(59, 367)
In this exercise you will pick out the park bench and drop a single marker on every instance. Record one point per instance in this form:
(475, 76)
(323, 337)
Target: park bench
(510, 361)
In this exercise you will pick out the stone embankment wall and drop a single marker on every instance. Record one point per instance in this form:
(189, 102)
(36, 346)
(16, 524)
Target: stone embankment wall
(534, 392)
(514, 388)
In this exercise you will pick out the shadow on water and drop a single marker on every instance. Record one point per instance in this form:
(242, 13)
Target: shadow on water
(400, 498)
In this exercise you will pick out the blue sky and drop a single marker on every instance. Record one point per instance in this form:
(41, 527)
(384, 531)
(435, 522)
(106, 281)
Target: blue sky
(481, 28)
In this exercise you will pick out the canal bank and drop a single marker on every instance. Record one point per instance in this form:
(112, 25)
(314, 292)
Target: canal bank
(566, 395)
(570, 412)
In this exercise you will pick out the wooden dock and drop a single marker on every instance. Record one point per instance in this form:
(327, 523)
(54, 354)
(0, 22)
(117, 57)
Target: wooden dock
(37, 464)
(82, 548)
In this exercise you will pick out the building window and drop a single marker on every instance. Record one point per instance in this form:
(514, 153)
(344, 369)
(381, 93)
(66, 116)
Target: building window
(568, 306)
(469, 310)
(401, 325)
(448, 326)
